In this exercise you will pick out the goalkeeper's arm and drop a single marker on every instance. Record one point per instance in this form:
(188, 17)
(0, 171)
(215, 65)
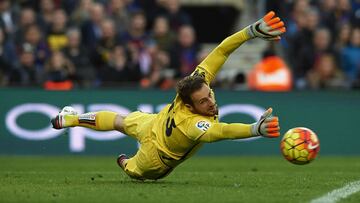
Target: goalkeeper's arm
(269, 27)
(267, 126)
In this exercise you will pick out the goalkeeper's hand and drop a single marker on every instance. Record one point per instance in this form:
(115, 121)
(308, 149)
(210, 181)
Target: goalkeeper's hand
(269, 28)
(267, 126)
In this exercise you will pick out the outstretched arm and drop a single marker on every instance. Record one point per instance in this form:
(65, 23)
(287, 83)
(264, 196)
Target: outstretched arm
(267, 126)
(268, 28)
(217, 57)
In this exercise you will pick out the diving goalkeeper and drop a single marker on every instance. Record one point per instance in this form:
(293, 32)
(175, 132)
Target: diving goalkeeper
(175, 133)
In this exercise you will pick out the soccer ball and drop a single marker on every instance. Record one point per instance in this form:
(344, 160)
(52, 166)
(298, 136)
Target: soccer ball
(300, 145)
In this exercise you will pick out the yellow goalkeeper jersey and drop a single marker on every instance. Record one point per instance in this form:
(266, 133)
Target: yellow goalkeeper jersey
(177, 129)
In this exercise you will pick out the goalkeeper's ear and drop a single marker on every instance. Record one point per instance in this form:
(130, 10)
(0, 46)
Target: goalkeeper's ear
(190, 107)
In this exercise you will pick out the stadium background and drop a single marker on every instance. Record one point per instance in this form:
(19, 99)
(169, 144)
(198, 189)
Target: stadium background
(127, 55)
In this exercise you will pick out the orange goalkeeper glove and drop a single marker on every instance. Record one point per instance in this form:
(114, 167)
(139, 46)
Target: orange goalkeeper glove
(267, 126)
(269, 27)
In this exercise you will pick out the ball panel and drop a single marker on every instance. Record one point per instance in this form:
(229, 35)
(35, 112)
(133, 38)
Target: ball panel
(295, 136)
(302, 159)
(285, 152)
(300, 145)
(304, 153)
(298, 142)
(312, 155)
(287, 145)
(295, 153)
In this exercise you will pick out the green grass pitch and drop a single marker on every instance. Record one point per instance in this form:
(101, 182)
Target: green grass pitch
(200, 179)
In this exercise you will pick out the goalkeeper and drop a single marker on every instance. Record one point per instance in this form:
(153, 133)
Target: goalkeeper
(182, 127)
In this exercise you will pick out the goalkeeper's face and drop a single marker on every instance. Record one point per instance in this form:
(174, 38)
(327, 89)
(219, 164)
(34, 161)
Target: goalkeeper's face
(204, 102)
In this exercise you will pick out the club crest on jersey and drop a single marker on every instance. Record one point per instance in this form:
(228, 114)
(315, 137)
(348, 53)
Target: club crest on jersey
(203, 125)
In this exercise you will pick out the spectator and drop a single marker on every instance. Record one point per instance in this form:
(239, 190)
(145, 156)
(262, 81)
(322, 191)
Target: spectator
(177, 17)
(119, 69)
(139, 42)
(184, 52)
(82, 12)
(161, 33)
(350, 58)
(160, 76)
(301, 46)
(297, 19)
(270, 74)
(8, 58)
(56, 36)
(328, 14)
(26, 74)
(79, 56)
(59, 72)
(325, 74)
(27, 18)
(47, 8)
(320, 45)
(7, 17)
(343, 12)
(152, 9)
(90, 29)
(321, 40)
(343, 37)
(35, 39)
(118, 12)
(106, 43)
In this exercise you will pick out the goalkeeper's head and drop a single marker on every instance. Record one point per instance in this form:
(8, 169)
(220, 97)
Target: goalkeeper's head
(197, 95)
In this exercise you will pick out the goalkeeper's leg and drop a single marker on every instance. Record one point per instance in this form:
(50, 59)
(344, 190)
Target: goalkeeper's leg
(101, 120)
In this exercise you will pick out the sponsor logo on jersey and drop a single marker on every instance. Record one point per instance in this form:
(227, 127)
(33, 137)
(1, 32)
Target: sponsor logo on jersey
(203, 125)
(88, 118)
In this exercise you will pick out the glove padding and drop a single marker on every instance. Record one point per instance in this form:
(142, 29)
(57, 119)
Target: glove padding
(267, 126)
(269, 28)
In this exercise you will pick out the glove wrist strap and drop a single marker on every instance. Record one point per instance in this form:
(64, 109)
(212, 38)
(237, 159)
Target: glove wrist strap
(250, 31)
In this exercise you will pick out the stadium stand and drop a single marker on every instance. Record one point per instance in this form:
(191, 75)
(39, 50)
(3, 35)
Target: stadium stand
(152, 43)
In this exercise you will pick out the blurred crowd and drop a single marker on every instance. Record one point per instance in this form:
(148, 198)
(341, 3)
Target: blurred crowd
(65, 44)
(322, 43)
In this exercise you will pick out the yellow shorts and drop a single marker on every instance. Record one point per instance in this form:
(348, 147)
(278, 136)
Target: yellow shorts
(146, 164)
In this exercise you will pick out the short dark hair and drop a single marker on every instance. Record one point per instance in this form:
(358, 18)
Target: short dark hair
(188, 85)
